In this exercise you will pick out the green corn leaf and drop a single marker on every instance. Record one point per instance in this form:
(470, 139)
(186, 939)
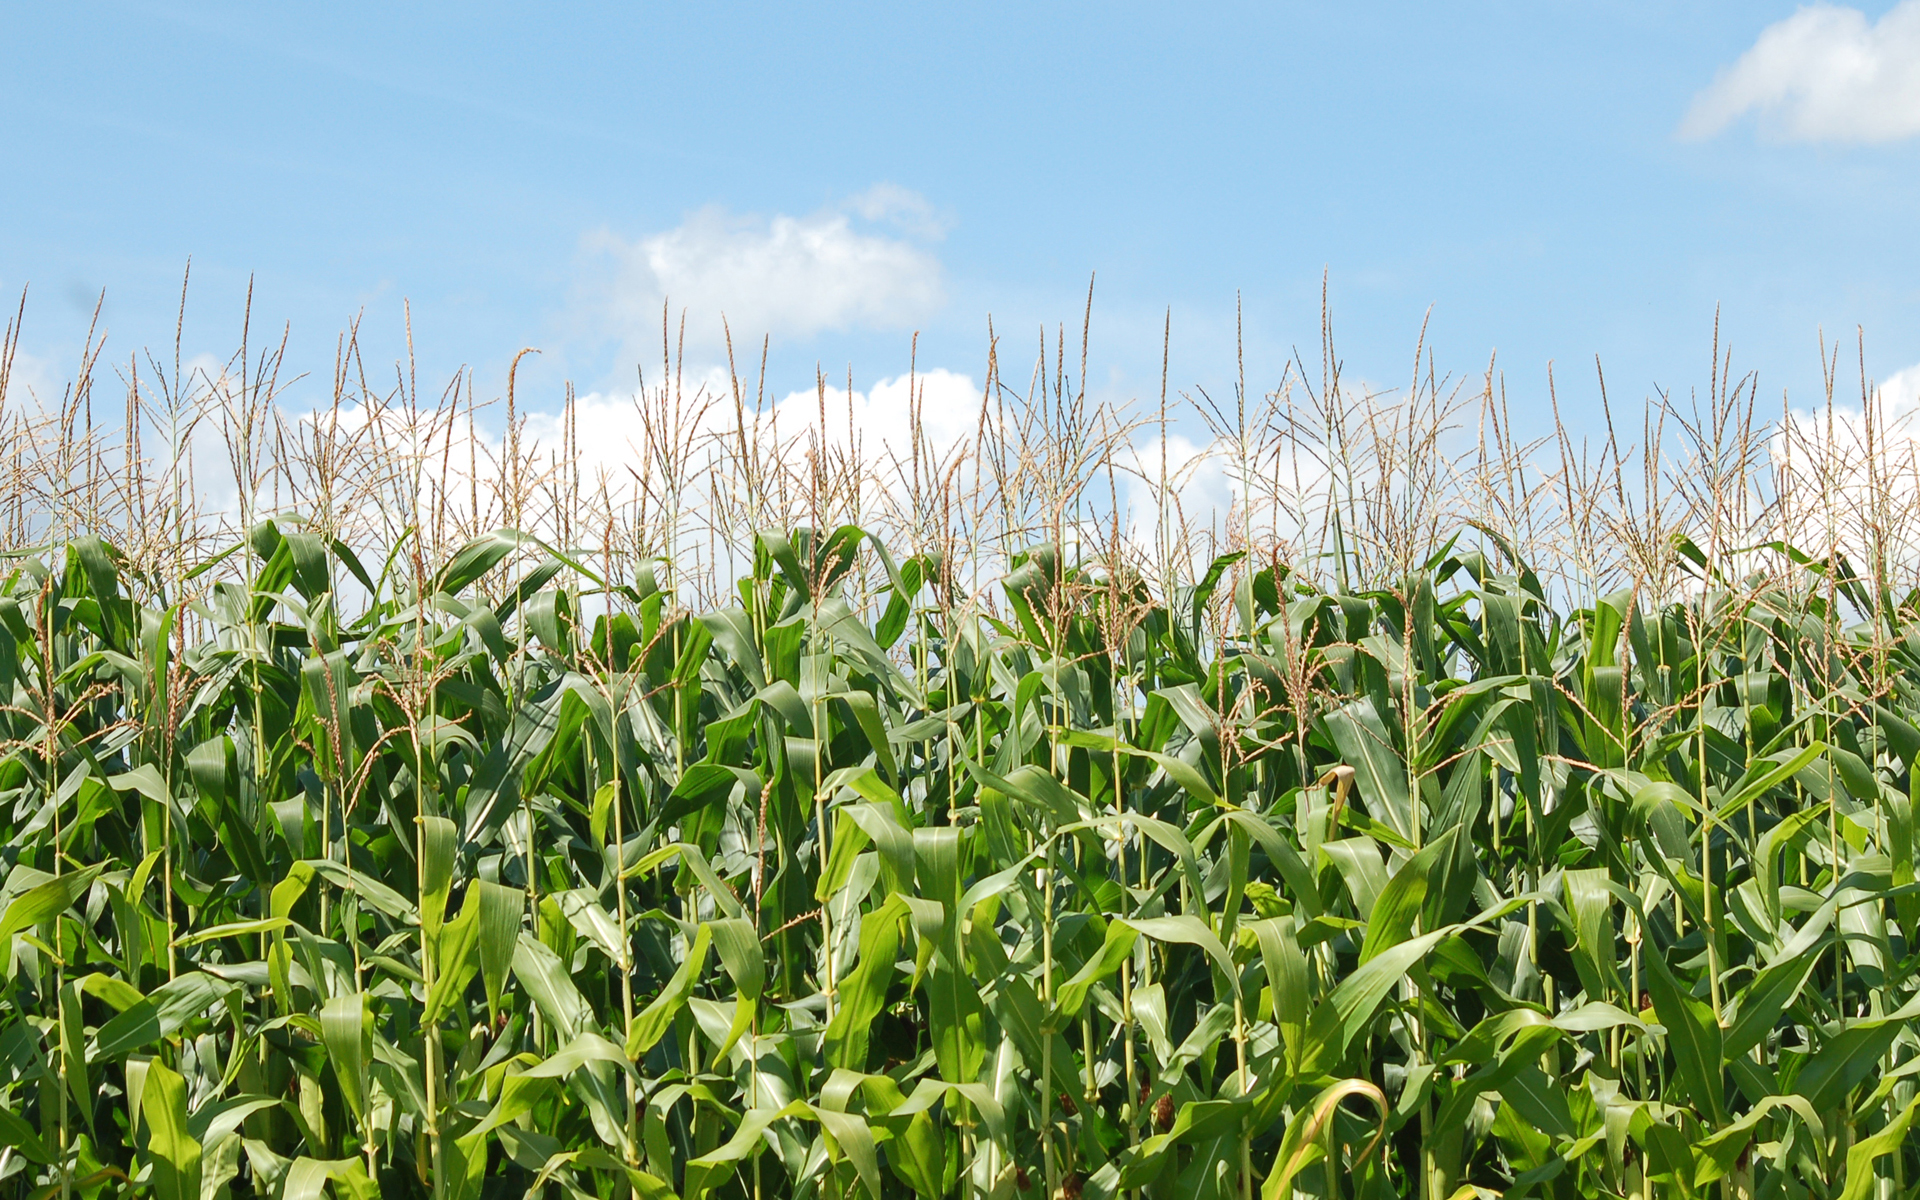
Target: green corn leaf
(1287, 977)
(1591, 903)
(164, 1010)
(346, 1030)
(1361, 734)
(603, 800)
(549, 984)
(46, 901)
(375, 893)
(864, 991)
(746, 965)
(1190, 931)
(439, 841)
(1695, 1038)
(1860, 1159)
(307, 1179)
(1116, 947)
(1764, 777)
(475, 559)
(1347, 1010)
(654, 1021)
(1844, 1062)
(1760, 1004)
(171, 1148)
(707, 1171)
(1400, 903)
(866, 714)
(16, 1133)
(855, 1140)
(1715, 1157)
(457, 957)
(501, 910)
(1301, 1145)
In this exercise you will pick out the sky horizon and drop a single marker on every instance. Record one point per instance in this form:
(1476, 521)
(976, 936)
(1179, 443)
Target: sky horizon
(1598, 180)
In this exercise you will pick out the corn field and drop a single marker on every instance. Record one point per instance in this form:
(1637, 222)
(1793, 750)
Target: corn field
(391, 809)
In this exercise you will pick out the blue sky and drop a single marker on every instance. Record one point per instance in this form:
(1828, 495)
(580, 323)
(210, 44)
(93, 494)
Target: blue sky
(1553, 181)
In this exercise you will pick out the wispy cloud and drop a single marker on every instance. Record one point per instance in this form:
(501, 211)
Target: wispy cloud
(862, 265)
(1825, 74)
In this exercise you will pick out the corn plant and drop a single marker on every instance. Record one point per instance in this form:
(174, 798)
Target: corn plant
(969, 856)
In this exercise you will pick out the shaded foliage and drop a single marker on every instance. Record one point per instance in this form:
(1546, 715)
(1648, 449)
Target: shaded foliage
(502, 877)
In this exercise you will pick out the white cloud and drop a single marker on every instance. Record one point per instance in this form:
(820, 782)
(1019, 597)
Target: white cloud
(881, 418)
(783, 276)
(906, 210)
(1841, 480)
(1822, 75)
(616, 432)
(31, 381)
(1901, 390)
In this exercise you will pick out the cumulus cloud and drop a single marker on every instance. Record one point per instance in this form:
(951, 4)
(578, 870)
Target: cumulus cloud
(783, 276)
(1901, 389)
(876, 425)
(1840, 479)
(1825, 74)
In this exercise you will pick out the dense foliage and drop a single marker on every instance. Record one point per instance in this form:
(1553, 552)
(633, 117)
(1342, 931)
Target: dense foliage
(501, 876)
